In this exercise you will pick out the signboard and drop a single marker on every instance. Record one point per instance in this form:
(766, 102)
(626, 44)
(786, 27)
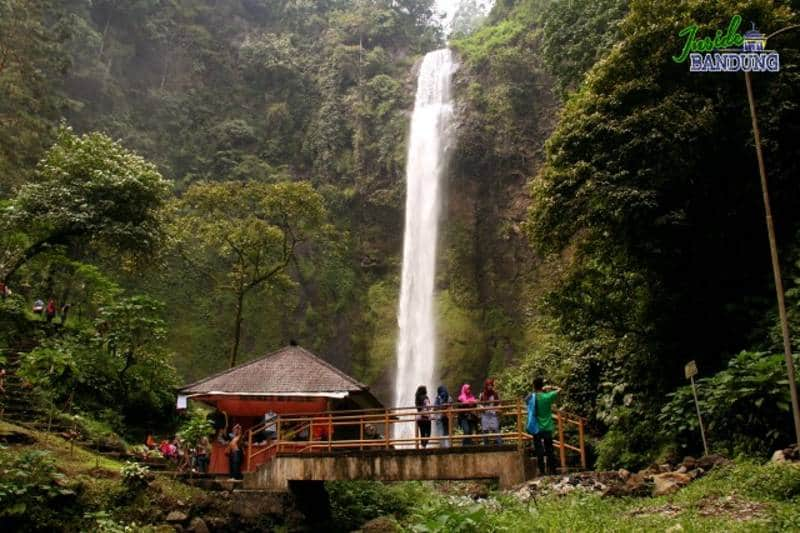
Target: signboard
(690, 369)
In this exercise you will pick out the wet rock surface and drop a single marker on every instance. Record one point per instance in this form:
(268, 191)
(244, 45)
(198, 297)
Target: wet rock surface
(655, 480)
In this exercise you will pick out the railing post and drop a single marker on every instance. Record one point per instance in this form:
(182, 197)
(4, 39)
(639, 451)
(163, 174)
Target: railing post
(582, 447)
(386, 427)
(361, 432)
(330, 431)
(278, 435)
(416, 432)
(450, 425)
(561, 449)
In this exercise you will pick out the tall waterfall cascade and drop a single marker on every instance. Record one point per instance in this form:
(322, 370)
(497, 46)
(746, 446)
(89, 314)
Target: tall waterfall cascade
(425, 165)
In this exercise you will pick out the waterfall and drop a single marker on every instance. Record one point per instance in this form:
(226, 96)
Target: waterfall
(425, 164)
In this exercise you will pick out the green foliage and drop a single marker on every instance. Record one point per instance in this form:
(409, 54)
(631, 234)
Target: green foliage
(31, 100)
(354, 503)
(105, 523)
(745, 408)
(30, 489)
(195, 428)
(252, 231)
(118, 371)
(87, 188)
(772, 481)
(576, 35)
(468, 17)
(651, 241)
(135, 476)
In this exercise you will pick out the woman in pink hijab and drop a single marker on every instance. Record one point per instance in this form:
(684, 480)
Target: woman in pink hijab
(467, 421)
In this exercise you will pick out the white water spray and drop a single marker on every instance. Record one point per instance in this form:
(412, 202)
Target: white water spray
(425, 164)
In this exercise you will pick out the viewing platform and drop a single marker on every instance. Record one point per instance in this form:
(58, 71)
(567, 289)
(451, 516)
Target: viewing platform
(359, 445)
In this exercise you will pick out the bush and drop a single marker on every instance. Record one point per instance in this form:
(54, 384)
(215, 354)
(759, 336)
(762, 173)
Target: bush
(632, 443)
(135, 476)
(97, 434)
(745, 408)
(30, 488)
(354, 503)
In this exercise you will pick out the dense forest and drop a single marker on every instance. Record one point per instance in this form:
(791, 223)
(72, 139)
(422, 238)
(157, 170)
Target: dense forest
(204, 181)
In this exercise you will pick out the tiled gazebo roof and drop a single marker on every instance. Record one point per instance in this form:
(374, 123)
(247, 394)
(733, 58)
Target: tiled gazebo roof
(290, 370)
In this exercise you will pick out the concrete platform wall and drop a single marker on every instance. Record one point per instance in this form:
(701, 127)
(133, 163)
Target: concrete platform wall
(506, 465)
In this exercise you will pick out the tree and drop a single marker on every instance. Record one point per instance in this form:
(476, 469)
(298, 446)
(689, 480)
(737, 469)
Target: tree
(243, 236)
(88, 189)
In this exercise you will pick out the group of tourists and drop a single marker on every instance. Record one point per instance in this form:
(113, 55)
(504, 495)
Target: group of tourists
(185, 457)
(50, 310)
(474, 414)
(469, 421)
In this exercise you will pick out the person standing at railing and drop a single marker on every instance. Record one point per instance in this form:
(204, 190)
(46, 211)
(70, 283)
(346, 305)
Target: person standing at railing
(235, 453)
(490, 421)
(441, 403)
(467, 420)
(423, 404)
(541, 401)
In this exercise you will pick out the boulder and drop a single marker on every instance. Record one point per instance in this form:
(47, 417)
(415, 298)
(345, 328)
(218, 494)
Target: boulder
(177, 516)
(696, 473)
(669, 482)
(778, 457)
(689, 462)
(382, 524)
(636, 485)
(623, 474)
(792, 453)
(198, 525)
(707, 462)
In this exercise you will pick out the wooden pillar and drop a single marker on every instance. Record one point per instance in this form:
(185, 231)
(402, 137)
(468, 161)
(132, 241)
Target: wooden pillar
(278, 435)
(330, 431)
(562, 451)
(249, 449)
(361, 432)
(582, 444)
(520, 440)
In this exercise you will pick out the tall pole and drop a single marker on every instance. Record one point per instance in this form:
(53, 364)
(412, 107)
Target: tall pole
(699, 416)
(776, 268)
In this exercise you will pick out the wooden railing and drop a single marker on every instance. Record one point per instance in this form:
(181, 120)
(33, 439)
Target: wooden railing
(359, 430)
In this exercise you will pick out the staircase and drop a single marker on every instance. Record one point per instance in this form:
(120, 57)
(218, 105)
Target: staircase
(21, 403)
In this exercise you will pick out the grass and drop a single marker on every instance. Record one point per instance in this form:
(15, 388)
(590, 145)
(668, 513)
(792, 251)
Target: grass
(740, 497)
(98, 484)
(71, 459)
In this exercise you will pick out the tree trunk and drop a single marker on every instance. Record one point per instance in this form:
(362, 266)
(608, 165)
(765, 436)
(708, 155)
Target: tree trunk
(36, 248)
(103, 40)
(237, 330)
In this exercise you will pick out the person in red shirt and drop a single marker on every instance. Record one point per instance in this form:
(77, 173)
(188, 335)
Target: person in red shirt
(51, 310)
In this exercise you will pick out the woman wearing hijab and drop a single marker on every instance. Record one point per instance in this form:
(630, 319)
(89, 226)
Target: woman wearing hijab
(423, 416)
(490, 421)
(442, 402)
(466, 419)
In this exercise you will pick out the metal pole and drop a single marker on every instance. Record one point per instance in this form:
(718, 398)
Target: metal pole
(776, 269)
(699, 417)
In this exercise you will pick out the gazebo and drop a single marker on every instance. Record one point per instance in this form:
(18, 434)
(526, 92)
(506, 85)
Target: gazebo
(291, 380)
